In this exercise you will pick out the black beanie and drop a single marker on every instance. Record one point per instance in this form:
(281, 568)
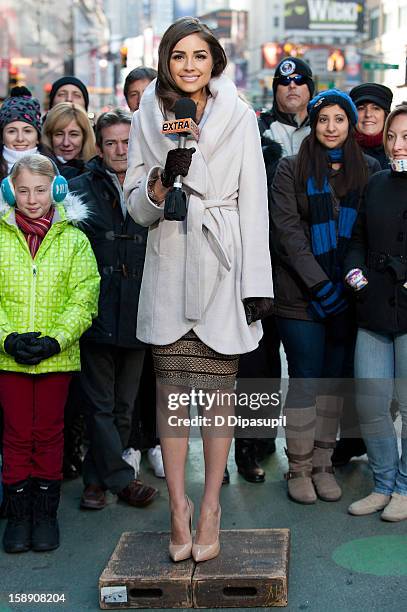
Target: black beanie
(372, 92)
(68, 80)
(293, 65)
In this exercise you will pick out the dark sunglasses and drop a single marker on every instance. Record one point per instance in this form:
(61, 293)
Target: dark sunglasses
(298, 79)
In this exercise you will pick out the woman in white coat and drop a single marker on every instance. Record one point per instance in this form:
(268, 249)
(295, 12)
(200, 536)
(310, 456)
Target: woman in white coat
(204, 277)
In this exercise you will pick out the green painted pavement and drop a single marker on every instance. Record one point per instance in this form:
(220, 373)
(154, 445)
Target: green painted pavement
(378, 555)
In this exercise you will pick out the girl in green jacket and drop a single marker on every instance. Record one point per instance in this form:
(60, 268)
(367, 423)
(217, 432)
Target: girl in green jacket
(49, 286)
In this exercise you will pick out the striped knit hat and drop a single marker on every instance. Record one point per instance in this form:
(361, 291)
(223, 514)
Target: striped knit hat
(21, 107)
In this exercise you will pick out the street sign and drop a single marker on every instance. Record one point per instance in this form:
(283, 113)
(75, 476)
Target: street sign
(379, 66)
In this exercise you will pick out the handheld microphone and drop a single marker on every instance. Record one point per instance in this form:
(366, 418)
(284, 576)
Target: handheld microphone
(175, 208)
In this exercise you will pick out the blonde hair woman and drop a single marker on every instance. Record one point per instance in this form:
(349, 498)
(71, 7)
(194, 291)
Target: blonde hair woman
(69, 133)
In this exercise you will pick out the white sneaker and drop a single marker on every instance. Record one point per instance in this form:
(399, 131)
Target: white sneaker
(369, 505)
(133, 458)
(155, 459)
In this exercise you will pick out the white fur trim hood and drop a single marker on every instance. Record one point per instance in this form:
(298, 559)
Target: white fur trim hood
(75, 208)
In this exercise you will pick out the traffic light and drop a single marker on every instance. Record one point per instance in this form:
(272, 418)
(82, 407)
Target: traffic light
(123, 56)
(12, 77)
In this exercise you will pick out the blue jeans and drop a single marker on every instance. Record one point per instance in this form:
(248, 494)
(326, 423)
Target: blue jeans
(382, 358)
(315, 351)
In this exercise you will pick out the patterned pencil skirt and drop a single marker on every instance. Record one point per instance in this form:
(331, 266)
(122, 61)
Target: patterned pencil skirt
(191, 363)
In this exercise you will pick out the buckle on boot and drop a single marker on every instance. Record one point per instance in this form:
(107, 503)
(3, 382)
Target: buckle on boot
(295, 457)
(300, 474)
(323, 468)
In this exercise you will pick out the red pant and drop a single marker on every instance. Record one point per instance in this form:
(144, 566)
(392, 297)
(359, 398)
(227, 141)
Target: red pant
(33, 407)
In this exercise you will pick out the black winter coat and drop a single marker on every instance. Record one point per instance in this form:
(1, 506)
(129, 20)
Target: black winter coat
(379, 248)
(72, 168)
(119, 245)
(379, 154)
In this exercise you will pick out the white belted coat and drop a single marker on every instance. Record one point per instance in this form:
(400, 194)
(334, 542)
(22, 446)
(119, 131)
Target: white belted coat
(197, 272)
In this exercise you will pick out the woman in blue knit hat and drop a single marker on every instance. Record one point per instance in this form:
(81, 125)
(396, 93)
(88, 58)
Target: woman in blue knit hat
(315, 199)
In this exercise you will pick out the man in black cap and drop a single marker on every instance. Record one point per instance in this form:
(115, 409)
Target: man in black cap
(287, 122)
(282, 129)
(69, 89)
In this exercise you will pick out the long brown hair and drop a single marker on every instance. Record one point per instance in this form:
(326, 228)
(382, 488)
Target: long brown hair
(312, 160)
(166, 89)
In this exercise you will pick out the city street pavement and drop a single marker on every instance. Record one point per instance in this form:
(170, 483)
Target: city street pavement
(338, 563)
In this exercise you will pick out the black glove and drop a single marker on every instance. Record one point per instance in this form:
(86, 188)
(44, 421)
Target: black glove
(17, 345)
(257, 308)
(43, 348)
(177, 163)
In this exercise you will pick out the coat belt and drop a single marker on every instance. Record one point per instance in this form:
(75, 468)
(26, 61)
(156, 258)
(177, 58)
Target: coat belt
(203, 216)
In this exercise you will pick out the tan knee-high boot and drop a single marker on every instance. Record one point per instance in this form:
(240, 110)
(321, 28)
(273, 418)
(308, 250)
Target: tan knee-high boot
(300, 434)
(329, 410)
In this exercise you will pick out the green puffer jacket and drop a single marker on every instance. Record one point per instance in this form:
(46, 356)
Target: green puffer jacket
(56, 293)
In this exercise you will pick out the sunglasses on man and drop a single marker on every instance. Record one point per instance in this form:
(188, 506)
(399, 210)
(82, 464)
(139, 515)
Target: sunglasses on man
(298, 79)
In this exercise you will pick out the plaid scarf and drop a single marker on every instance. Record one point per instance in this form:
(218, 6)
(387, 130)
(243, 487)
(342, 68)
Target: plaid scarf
(329, 236)
(34, 230)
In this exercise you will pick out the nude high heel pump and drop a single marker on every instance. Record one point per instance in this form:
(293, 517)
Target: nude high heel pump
(204, 552)
(180, 552)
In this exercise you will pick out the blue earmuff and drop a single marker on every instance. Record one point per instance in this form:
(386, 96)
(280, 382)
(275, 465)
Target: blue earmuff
(59, 188)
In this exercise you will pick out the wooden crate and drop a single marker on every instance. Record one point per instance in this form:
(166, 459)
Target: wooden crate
(251, 571)
(140, 574)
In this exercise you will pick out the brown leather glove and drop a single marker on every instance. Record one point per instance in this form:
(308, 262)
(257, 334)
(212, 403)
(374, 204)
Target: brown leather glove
(257, 308)
(177, 163)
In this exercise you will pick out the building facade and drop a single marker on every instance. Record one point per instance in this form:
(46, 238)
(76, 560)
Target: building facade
(385, 47)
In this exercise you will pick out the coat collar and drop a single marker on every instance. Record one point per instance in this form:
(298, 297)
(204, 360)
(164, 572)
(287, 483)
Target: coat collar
(224, 118)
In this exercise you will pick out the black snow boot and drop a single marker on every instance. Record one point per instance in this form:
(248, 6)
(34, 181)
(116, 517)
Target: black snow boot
(45, 530)
(17, 535)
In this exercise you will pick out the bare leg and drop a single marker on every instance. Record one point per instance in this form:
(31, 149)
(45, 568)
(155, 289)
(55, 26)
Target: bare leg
(216, 446)
(174, 447)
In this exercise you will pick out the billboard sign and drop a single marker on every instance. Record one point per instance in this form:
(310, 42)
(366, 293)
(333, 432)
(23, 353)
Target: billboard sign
(322, 15)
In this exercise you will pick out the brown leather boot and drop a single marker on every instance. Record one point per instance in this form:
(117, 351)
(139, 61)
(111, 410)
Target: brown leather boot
(137, 494)
(329, 409)
(300, 432)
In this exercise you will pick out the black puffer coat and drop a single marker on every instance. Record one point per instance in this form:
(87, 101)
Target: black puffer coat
(379, 248)
(119, 245)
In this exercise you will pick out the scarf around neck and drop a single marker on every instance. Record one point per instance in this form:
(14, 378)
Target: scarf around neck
(329, 236)
(34, 230)
(11, 156)
(369, 142)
